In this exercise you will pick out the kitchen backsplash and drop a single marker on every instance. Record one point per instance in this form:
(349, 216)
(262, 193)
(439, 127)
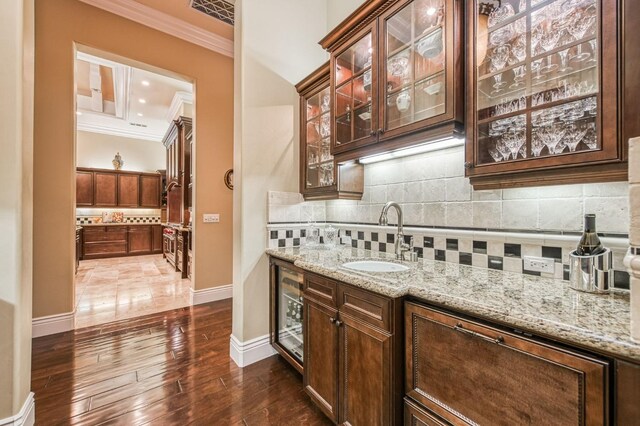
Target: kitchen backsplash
(450, 221)
(93, 216)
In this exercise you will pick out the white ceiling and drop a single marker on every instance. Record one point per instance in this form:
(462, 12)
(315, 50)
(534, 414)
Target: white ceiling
(126, 115)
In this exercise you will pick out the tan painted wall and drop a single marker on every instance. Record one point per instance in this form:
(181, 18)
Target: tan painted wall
(16, 169)
(59, 24)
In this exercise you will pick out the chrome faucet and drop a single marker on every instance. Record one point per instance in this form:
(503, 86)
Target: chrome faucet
(401, 247)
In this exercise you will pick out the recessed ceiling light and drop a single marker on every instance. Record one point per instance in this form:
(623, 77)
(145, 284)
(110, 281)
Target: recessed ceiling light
(142, 101)
(78, 113)
(139, 114)
(145, 83)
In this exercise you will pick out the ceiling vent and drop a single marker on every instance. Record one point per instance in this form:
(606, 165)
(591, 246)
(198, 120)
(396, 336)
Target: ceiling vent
(219, 9)
(138, 124)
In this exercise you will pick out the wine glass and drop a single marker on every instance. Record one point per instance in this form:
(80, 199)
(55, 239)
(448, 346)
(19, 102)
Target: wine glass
(499, 84)
(500, 56)
(574, 135)
(519, 48)
(591, 137)
(535, 67)
(495, 154)
(500, 14)
(518, 76)
(578, 28)
(503, 149)
(536, 143)
(594, 51)
(514, 140)
(564, 67)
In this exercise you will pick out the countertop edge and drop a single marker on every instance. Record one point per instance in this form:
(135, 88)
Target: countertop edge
(562, 333)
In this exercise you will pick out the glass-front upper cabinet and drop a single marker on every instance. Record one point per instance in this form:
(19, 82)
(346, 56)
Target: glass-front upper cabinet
(544, 87)
(320, 176)
(398, 80)
(420, 43)
(354, 80)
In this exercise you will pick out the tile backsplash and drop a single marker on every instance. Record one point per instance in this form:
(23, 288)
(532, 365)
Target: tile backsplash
(433, 191)
(450, 221)
(88, 216)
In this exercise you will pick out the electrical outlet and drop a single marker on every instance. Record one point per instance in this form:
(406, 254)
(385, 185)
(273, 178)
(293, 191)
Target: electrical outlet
(539, 264)
(211, 218)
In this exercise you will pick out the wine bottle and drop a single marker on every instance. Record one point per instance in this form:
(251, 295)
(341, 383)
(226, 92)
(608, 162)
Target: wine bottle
(589, 244)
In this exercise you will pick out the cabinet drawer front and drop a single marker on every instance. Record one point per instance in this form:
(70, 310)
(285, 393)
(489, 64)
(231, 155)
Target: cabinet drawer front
(321, 289)
(469, 373)
(417, 416)
(105, 248)
(369, 307)
(108, 235)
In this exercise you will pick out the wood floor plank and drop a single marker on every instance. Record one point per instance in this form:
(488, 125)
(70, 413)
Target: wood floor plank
(163, 369)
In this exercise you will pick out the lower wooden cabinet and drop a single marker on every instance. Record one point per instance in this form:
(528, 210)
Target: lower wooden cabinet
(352, 353)
(120, 240)
(414, 415)
(140, 239)
(470, 373)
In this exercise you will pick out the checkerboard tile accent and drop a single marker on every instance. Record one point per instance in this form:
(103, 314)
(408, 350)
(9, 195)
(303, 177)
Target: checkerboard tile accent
(487, 253)
(90, 220)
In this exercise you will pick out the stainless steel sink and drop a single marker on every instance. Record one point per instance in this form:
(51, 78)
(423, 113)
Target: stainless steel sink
(375, 266)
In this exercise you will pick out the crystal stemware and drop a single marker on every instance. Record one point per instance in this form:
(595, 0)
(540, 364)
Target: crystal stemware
(514, 140)
(495, 154)
(591, 137)
(579, 26)
(518, 76)
(564, 67)
(594, 51)
(499, 57)
(499, 84)
(535, 67)
(574, 135)
(536, 143)
(503, 149)
(500, 14)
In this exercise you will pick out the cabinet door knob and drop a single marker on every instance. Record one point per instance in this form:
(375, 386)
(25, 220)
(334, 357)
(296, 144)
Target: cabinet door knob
(380, 131)
(372, 133)
(338, 323)
(332, 320)
(468, 165)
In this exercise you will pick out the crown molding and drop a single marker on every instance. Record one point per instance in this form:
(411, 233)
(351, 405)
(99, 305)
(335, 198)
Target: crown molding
(160, 21)
(114, 131)
(179, 99)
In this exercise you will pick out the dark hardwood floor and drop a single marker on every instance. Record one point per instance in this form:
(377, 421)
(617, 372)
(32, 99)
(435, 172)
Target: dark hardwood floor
(163, 369)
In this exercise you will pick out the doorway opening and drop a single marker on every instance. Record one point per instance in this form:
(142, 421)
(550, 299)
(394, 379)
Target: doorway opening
(134, 182)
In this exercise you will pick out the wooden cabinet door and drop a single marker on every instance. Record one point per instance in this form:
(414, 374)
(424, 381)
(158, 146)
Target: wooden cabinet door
(128, 190)
(321, 356)
(140, 239)
(365, 374)
(469, 373)
(105, 189)
(156, 231)
(150, 191)
(414, 415)
(84, 188)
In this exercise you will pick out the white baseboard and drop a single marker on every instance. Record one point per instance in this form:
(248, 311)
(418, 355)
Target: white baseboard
(254, 350)
(25, 417)
(52, 324)
(213, 294)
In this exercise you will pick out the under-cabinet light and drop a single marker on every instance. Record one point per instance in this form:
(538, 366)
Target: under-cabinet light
(436, 145)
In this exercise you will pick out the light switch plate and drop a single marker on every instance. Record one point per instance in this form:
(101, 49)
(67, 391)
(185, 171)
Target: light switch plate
(539, 264)
(211, 218)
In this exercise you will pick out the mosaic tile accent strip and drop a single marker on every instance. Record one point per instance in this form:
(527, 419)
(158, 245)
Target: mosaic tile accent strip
(91, 220)
(472, 251)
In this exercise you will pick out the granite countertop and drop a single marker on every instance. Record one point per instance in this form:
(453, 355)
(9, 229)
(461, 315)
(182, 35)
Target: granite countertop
(542, 306)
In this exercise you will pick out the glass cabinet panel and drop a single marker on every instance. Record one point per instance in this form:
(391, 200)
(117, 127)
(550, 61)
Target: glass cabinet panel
(289, 318)
(537, 71)
(353, 92)
(415, 83)
(319, 162)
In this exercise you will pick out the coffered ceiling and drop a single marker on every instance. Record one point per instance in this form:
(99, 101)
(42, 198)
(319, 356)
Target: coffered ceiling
(121, 100)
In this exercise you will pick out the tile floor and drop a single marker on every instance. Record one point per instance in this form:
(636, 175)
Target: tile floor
(126, 287)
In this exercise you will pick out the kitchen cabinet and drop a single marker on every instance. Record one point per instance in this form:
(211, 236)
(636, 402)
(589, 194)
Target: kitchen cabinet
(150, 191)
(105, 189)
(84, 188)
(109, 188)
(156, 238)
(128, 190)
(78, 247)
(178, 142)
(545, 102)
(396, 76)
(140, 239)
(320, 176)
(286, 300)
(104, 241)
(120, 240)
(469, 373)
(352, 358)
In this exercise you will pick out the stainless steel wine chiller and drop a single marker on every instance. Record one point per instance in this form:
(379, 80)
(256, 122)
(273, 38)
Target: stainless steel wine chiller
(592, 274)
